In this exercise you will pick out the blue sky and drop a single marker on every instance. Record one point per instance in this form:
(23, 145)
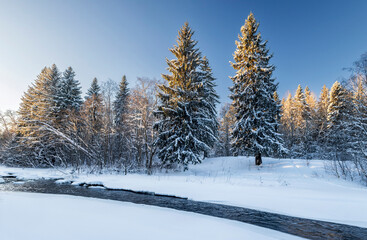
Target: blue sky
(312, 41)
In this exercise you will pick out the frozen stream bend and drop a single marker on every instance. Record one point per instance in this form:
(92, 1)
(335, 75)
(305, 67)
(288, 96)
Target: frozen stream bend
(307, 228)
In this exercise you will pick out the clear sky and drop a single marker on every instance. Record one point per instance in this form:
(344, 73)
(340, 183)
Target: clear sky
(312, 41)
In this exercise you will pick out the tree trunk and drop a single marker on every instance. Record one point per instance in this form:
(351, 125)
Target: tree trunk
(258, 160)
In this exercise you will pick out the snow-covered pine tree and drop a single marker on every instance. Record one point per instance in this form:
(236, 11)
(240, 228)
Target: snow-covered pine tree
(93, 106)
(322, 106)
(301, 110)
(94, 90)
(341, 134)
(184, 132)
(70, 101)
(322, 112)
(310, 99)
(120, 104)
(252, 94)
(39, 113)
(55, 113)
(311, 125)
(301, 118)
(70, 91)
(122, 136)
(92, 114)
(210, 96)
(287, 127)
(20, 151)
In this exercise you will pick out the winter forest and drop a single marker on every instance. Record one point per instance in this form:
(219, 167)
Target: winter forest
(180, 120)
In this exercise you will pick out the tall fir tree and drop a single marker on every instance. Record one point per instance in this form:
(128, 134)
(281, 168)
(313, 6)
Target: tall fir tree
(92, 112)
(70, 101)
(122, 136)
(54, 90)
(120, 104)
(70, 91)
(310, 132)
(287, 127)
(301, 110)
(322, 113)
(252, 94)
(210, 96)
(184, 132)
(94, 90)
(310, 100)
(341, 131)
(209, 83)
(39, 114)
(301, 119)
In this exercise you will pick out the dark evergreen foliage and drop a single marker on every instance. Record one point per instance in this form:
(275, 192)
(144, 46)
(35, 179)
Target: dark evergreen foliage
(70, 91)
(185, 132)
(255, 129)
(120, 104)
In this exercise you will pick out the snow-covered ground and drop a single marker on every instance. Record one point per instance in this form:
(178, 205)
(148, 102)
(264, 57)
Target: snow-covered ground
(43, 217)
(286, 186)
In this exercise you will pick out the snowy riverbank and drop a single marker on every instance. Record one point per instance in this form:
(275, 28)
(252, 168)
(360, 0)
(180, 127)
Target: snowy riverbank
(292, 187)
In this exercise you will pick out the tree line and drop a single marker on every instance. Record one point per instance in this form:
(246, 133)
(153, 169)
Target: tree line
(115, 127)
(332, 126)
(54, 126)
(174, 122)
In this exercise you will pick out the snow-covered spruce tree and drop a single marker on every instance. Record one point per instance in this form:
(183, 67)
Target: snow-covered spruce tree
(39, 113)
(210, 96)
(341, 131)
(301, 110)
(70, 91)
(19, 151)
(92, 114)
(301, 120)
(94, 90)
(93, 107)
(321, 121)
(184, 129)
(122, 139)
(51, 102)
(253, 87)
(287, 127)
(55, 114)
(311, 132)
(299, 126)
(310, 101)
(70, 99)
(120, 104)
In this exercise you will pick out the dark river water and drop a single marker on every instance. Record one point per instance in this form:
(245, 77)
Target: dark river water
(307, 228)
